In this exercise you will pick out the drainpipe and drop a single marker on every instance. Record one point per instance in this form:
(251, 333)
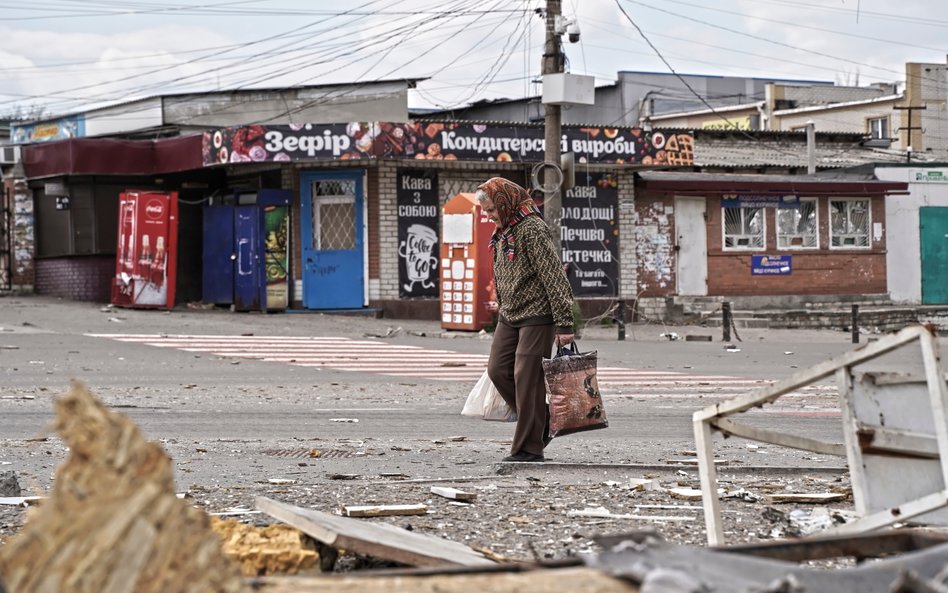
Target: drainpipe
(810, 147)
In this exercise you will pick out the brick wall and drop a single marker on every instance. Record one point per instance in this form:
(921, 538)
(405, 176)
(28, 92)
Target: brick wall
(87, 278)
(628, 241)
(814, 271)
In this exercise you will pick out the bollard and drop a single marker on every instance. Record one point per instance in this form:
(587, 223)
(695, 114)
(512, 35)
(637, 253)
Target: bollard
(855, 324)
(620, 319)
(726, 323)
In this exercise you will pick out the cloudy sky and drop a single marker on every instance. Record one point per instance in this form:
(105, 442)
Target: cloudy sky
(61, 56)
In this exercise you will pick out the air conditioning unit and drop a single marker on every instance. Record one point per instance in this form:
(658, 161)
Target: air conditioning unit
(9, 154)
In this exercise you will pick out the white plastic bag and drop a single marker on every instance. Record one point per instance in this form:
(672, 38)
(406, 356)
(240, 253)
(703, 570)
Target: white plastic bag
(474, 406)
(485, 402)
(495, 408)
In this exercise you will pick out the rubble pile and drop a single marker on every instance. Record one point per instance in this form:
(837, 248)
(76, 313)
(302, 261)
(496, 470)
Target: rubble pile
(113, 522)
(274, 549)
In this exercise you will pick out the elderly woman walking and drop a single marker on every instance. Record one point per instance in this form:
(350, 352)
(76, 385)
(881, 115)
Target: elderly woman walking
(535, 305)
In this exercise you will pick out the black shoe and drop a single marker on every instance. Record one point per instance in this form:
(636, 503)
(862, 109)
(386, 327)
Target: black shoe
(525, 457)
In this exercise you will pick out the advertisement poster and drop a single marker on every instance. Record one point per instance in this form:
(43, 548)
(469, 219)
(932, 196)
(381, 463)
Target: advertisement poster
(589, 235)
(417, 200)
(441, 141)
(146, 250)
(276, 231)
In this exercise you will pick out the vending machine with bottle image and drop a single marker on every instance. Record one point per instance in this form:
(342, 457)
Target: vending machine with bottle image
(466, 268)
(146, 277)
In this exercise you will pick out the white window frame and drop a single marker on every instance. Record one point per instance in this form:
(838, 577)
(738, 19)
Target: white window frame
(884, 127)
(816, 230)
(763, 230)
(868, 233)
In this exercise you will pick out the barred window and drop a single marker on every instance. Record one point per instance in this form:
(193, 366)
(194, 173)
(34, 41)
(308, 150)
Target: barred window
(850, 223)
(743, 228)
(798, 228)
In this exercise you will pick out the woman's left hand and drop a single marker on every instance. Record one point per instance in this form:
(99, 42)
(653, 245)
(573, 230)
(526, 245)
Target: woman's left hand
(563, 339)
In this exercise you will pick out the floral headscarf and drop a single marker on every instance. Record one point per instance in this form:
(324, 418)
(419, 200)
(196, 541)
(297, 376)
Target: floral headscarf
(512, 203)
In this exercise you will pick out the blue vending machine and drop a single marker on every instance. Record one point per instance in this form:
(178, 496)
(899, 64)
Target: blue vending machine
(246, 250)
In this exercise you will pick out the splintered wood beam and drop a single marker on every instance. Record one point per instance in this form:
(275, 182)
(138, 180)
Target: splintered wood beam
(379, 540)
(454, 493)
(729, 427)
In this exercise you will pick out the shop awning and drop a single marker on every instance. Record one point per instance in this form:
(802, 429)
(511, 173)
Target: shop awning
(107, 156)
(702, 184)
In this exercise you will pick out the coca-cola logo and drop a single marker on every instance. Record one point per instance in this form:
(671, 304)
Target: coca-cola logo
(154, 209)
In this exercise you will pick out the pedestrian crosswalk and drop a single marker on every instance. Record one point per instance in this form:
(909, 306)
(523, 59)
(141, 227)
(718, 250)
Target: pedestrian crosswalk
(415, 362)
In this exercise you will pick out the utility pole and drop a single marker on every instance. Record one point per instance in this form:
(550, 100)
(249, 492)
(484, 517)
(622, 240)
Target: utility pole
(910, 127)
(552, 121)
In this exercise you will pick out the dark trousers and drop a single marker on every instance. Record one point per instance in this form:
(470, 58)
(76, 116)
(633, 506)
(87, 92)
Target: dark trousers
(514, 368)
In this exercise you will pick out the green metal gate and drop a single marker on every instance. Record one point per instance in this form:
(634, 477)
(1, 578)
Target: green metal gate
(933, 239)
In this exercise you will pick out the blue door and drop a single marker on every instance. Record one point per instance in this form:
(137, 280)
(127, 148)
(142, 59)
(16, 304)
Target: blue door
(332, 240)
(248, 265)
(218, 265)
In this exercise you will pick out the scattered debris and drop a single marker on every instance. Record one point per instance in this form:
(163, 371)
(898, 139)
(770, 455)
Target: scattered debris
(731, 348)
(643, 484)
(379, 540)
(391, 332)
(689, 493)
(23, 397)
(670, 336)
(814, 498)
(9, 485)
(8, 347)
(344, 476)
(281, 481)
(645, 560)
(604, 513)
(698, 338)
(345, 420)
(275, 549)
(384, 510)
(454, 493)
(113, 522)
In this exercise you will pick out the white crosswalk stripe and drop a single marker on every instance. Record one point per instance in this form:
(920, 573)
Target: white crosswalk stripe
(416, 362)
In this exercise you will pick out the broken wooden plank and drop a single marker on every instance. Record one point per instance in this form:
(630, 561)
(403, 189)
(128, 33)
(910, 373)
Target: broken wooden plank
(454, 493)
(384, 510)
(563, 580)
(19, 501)
(603, 513)
(810, 498)
(378, 540)
(690, 493)
(689, 461)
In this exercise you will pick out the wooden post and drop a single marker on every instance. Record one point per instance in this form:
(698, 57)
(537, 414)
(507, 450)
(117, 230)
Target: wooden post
(726, 321)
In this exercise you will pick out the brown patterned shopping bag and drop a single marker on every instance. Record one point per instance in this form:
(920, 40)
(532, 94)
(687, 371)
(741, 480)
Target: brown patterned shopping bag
(573, 392)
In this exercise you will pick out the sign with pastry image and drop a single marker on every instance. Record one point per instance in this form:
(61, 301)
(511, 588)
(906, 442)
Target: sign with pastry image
(441, 141)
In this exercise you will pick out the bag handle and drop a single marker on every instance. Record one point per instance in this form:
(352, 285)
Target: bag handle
(569, 350)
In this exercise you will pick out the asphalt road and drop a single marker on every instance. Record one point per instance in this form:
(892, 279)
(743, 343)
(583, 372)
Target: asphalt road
(226, 419)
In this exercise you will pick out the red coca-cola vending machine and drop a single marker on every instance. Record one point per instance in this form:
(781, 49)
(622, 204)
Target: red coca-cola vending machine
(147, 250)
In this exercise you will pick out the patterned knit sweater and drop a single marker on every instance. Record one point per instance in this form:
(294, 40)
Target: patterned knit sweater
(532, 288)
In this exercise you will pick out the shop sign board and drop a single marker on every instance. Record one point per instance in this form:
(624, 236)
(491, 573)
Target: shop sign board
(441, 141)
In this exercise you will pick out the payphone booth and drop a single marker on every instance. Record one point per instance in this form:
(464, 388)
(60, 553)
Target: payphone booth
(466, 267)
